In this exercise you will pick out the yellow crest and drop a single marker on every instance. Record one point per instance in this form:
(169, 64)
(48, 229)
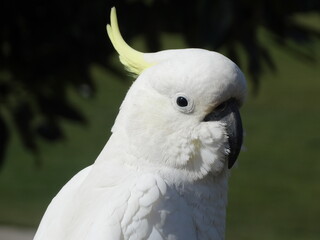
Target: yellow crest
(133, 60)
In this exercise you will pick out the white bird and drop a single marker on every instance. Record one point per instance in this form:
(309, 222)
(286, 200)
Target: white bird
(163, 173)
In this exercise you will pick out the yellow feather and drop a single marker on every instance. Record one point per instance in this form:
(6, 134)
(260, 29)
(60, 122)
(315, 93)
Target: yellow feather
(133, 60)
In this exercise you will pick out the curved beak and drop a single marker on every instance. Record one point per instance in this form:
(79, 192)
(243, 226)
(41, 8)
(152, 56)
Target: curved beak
(230, 115)
(235, 133)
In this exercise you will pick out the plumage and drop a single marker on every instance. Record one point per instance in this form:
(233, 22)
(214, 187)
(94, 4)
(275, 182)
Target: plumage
(163, 173)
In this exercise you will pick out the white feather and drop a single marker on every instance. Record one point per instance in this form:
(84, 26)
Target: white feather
(162, 174)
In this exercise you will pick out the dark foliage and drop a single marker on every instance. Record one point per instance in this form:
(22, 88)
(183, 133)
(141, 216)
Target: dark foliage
(48, 46)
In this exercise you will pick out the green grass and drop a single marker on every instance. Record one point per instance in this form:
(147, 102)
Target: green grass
(274, 190)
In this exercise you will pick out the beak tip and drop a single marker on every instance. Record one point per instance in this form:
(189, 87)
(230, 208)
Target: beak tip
(232, 159)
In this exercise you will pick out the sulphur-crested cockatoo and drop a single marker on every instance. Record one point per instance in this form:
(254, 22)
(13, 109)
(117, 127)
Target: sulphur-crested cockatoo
(163, 174)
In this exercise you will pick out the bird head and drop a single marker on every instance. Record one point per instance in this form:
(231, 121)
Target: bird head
(182, 112)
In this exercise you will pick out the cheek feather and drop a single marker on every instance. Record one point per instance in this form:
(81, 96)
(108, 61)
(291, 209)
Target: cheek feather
(200, 152)
(213, 138)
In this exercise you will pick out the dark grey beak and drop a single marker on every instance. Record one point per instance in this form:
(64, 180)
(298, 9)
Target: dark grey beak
(228, 112)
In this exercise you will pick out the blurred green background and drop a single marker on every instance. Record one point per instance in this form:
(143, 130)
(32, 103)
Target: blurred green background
(274, 190)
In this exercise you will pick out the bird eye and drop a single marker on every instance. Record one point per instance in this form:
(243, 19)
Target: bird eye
(182, 101)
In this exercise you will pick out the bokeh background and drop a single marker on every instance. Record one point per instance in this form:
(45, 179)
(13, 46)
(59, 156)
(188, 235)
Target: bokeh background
(61, 85)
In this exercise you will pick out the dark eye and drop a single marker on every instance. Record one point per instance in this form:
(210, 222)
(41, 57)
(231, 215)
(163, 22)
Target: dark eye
(182, 101)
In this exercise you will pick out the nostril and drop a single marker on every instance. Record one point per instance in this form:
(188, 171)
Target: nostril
(220, 111)
(221, 107)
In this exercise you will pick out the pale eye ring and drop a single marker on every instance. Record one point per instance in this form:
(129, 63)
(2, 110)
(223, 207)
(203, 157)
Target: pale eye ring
(183, 103)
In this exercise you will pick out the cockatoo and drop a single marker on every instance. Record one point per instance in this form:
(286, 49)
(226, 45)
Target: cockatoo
(163, 174)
